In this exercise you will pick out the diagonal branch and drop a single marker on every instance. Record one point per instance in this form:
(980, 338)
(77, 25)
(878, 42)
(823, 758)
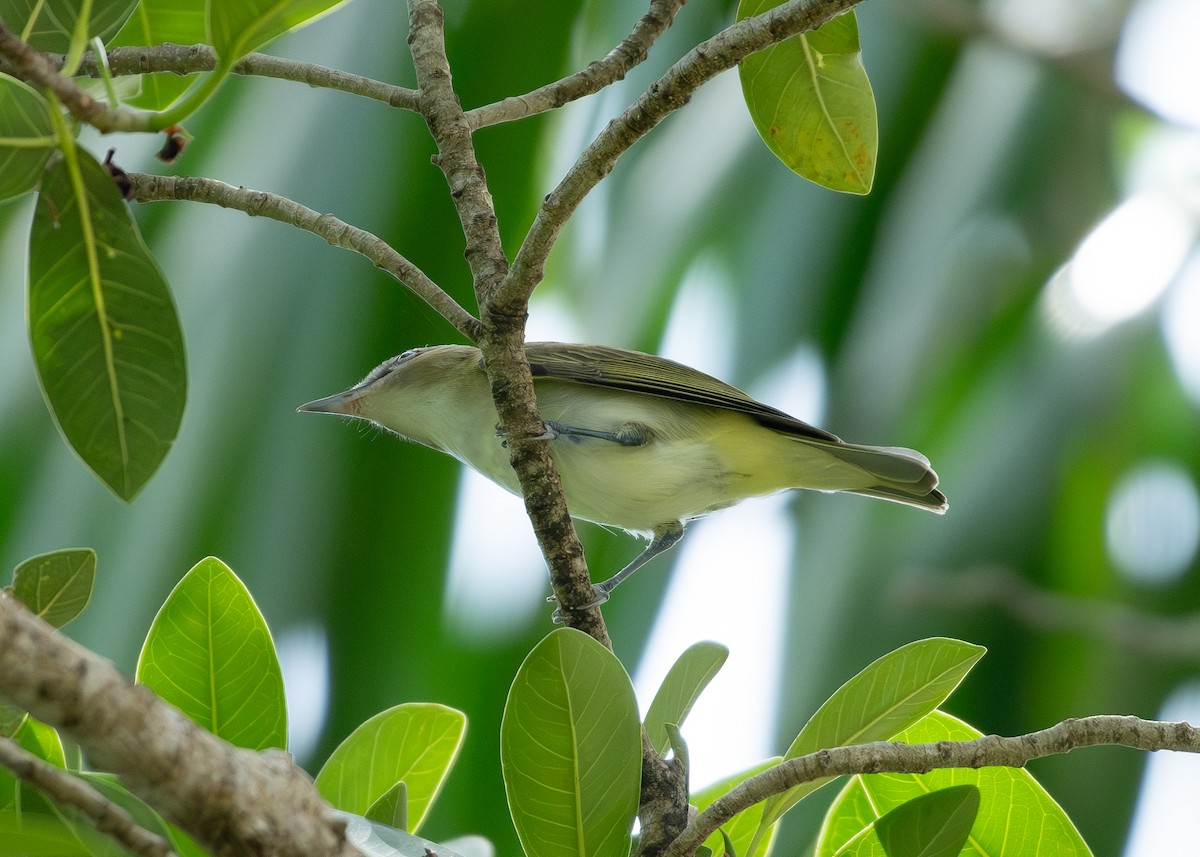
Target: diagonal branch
(34, 67)
(599, 74)
(667, 94)
(151, 188)
(104, 815)
(234, 801)
(988, 751)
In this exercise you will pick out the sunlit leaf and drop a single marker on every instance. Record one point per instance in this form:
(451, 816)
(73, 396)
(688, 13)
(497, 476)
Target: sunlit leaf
(1016, 816)
(23, 121)
(685, 681)
(888, 696)
(49, 23)
(932, 825)
(392, 808)
(570, 750)
(106, 339)
(57, 585)
(209, 654)
(812, 104)
(155, 22)
(414, 744)
(741, 827)
(39, 835)
(237, 27)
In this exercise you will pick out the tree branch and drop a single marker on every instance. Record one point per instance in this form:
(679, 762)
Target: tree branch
(1172, 638)
(894, 757)
(599, 74)
(667, 94)
(34, 67)
(234, 801)
(503, 335)
(189, 59)
(106, 816)
(152, 188)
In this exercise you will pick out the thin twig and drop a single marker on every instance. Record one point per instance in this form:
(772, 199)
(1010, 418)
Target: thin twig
(188, 59)
(105, 816)
(599, 74)
(34, 67)
(1173, 638)
(669, 93)
(893, 757)
(152, 188)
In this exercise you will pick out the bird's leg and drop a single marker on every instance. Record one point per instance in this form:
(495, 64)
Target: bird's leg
(630, 434)
(666, 536)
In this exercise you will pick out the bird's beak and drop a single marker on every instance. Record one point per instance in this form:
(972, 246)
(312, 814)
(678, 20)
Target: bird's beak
(339, 403)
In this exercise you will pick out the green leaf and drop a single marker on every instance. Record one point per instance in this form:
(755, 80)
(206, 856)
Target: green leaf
(570, 750)
(685, 681)
(890, 695)
(11, 719)
(56, 585)
(106, 339)
(48, 24)
(38, 835)
(237, 27)
(932, 825)
(1016, 817)
(741, 827)
(42, 741)
(24, 121)
(414, 744)
(209, 654)
(155, 22)
(812, 104)
(392, 808)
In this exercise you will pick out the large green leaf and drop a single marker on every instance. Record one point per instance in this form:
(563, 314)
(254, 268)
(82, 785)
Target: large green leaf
(106, 339)
(56, 585)
(1016, 816)
(209, 654)
(237, 27)
(49, 24)
(155, 22)
(26, 137)
(889, 695)
(812, 104)
(936, 824)
(413, 743)
(685, 681)
(570, 750)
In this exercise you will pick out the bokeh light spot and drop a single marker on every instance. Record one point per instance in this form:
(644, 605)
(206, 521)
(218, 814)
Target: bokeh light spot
(1153, 522)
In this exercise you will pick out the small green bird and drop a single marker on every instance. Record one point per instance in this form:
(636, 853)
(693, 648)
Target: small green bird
(641, 443)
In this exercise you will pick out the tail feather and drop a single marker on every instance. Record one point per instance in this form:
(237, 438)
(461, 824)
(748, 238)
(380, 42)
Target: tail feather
(904, 475)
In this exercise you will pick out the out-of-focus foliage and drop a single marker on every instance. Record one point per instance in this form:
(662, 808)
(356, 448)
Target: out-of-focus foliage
(931, 305)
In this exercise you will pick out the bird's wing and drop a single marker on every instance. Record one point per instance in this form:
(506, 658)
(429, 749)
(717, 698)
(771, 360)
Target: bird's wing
(632, 371)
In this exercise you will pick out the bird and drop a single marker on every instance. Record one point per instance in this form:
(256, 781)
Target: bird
(641, 443)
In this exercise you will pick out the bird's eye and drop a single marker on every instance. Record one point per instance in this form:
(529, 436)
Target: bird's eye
(387, 366)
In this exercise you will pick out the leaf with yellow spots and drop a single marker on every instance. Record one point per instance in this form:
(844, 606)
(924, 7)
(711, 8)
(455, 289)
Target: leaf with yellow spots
(106, 339)
(812, 104)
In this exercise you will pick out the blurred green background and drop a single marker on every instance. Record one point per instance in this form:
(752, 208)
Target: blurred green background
(1018, 298)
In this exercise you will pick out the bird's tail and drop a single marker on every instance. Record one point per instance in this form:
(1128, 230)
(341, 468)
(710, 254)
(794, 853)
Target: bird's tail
(894, 473)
